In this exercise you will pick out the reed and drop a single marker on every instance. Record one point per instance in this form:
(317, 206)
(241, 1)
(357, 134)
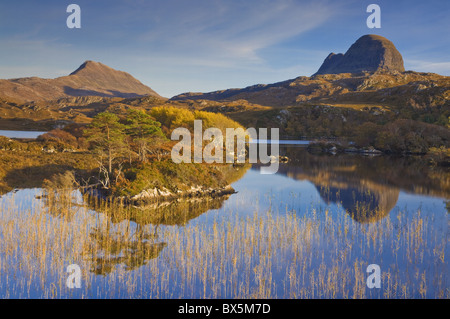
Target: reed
(310, 254)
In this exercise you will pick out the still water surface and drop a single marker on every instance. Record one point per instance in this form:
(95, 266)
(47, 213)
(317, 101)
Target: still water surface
(308, 231)
(21, 134)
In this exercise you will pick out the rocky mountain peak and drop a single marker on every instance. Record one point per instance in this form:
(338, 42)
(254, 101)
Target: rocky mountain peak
(369, 53)
(90, 65)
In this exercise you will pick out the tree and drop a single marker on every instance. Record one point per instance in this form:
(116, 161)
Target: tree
(144, 131)
(366, 134)
(172, 117)
(159, 147)
(106, 136)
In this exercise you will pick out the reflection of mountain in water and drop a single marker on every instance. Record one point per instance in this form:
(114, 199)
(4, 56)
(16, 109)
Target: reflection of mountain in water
(368, 188)
(363, 205)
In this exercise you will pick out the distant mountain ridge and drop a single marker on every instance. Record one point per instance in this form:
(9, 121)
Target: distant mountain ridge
(406, 89)
(370, 72)
(95, 87)
(90, 79)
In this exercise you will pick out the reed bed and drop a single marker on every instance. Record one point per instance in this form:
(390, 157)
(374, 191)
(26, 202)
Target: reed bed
(311, 254)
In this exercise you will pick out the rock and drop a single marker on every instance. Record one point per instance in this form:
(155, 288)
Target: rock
(284, 116)
(371, 150)
(279, 159)
(330, 62)
(284, 159)
(333, 150)
(369, 53)
(49, 149)
(150, 195)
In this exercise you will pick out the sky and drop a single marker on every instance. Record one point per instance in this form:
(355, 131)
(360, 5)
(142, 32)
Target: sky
(177, 46)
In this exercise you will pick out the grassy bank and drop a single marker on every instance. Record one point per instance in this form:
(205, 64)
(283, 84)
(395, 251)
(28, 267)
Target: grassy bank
(29, 169)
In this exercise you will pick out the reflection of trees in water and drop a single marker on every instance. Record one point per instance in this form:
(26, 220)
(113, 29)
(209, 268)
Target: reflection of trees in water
(167, 212)
(176, 212)
(128, 235)
(137, 243)
(59, 195)
(110, 248)
(367, 187)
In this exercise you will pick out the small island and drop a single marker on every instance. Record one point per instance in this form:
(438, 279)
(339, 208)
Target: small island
(124, 156)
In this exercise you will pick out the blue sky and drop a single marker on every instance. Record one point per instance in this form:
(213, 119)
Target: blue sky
(175, 46)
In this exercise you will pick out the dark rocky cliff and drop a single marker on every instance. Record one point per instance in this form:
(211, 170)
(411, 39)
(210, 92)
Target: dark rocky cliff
(369, 53)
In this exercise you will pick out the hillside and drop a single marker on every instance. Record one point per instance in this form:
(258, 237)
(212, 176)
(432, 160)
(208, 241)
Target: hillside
(396, 89)
(367, 97)
(371, 72)
(90, 79)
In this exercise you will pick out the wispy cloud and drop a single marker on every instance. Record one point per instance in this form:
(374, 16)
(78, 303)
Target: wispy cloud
(227, 32)
(442, 68)
(176, 46)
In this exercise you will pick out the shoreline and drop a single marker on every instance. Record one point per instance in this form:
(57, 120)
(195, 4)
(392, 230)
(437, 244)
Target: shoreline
(155, 195)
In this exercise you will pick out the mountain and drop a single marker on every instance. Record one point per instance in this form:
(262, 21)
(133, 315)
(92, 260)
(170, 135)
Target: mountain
(90, 79)
(391, 89)
(319, 105)
(369, 53)
(370, 72)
